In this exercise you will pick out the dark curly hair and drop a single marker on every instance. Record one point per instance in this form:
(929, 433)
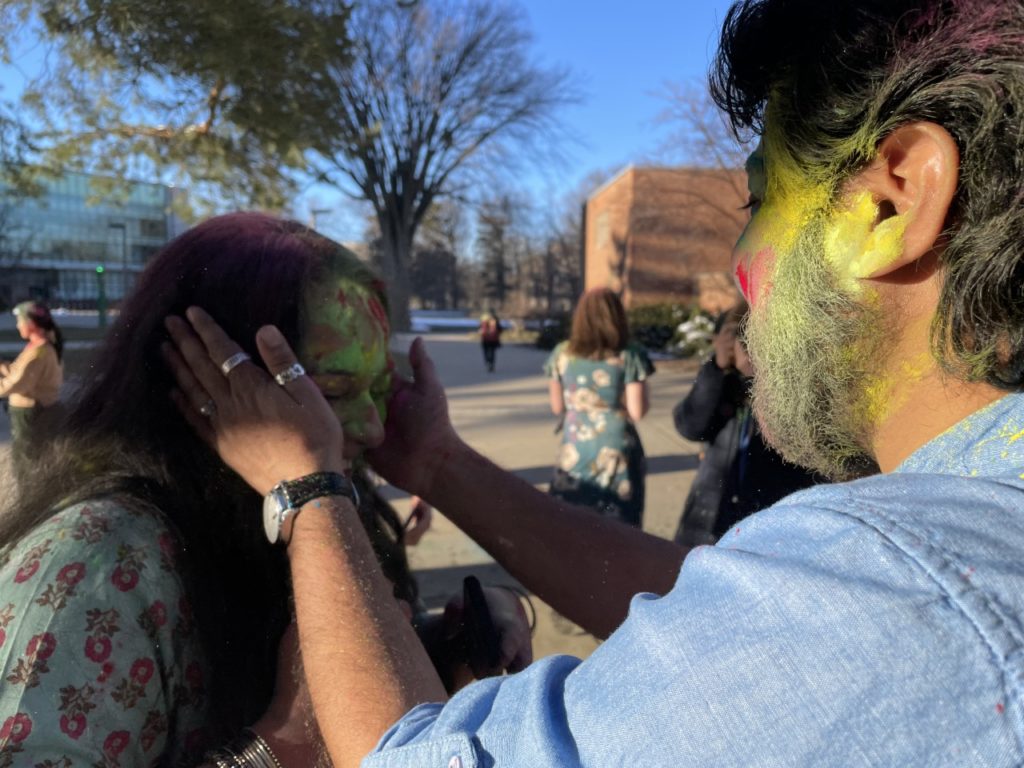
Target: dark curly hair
(833, 79)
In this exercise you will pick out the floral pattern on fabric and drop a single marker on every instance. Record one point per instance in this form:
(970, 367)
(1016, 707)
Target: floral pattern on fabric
(601, 460)
(99, 659)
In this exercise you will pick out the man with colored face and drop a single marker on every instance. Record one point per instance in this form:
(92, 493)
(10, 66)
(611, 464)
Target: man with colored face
(873, 622)
(816, 342)
(878, 621)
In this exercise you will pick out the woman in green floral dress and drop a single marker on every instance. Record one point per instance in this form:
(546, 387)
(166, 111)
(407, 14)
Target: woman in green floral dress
(598, 380)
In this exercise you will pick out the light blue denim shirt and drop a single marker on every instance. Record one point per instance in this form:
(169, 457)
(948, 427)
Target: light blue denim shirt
(877, 622)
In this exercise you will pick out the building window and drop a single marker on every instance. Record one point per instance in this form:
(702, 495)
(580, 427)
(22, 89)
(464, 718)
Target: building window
(153, 228)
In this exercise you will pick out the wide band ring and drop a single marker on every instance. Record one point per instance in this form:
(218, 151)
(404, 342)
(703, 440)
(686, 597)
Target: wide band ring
(208, 408)
(291, 373)
(233, 362)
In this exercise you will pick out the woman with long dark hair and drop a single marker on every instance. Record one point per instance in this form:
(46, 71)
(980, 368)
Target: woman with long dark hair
(33, 380)
(598, 381)
(144, 604)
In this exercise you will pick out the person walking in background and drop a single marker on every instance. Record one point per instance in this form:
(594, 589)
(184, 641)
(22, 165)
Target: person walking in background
(598, 381)
(490, 338)
(33, 381)
(739, 473)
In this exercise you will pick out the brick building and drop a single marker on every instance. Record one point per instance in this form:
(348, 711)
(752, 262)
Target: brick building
(665, 234)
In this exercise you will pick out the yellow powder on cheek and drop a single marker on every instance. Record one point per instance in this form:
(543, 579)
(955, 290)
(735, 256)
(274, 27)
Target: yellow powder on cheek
(790, 200)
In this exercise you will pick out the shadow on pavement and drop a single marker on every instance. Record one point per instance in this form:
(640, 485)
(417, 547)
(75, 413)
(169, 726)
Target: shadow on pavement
(538, 475)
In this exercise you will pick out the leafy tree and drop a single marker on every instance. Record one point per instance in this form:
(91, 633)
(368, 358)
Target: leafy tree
(436, 90)
(223, 98)
(241, 101)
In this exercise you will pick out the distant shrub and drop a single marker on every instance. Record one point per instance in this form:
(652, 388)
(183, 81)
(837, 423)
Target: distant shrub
(665, 313)
(655, 325)
(693, 337)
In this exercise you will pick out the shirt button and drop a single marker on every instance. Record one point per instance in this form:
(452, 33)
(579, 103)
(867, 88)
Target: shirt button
(455, 762)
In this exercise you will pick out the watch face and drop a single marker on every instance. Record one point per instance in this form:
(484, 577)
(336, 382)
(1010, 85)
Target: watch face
(272, 506)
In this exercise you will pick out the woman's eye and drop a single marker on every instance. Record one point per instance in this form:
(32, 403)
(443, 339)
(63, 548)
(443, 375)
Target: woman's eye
(336, 395)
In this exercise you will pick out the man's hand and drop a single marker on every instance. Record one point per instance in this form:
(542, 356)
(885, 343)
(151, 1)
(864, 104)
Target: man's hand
(418, 435)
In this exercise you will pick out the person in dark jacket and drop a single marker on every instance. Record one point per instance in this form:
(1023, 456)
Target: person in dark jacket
(490, 338)
(739, 473)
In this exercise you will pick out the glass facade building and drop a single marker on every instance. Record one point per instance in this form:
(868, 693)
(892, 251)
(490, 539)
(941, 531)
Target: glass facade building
(65, 246)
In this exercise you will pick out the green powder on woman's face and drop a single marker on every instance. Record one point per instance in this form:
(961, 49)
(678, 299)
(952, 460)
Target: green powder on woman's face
(346, 353)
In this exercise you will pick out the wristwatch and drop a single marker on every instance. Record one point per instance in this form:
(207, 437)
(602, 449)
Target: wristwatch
(287, 497)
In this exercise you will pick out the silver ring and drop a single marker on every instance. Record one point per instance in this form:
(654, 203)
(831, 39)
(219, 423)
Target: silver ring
(233, 362)
(208, 408)
(291, 373)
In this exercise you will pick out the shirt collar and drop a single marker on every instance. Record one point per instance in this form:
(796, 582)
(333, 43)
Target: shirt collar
(989, 442)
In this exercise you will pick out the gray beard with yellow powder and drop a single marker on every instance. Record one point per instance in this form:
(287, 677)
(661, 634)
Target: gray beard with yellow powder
(816, 353)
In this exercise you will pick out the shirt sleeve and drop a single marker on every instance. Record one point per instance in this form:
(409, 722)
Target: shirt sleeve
(99, 659)
(552, 368)
(638, 364)
(23, 373)
(803, 638)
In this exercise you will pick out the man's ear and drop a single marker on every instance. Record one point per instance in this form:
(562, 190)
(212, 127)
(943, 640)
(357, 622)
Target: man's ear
(914, 177)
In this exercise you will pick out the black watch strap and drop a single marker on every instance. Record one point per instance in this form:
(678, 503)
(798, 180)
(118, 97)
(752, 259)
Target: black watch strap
(318, 484)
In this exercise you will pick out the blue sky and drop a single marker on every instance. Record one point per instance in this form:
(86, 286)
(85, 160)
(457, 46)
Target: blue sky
(624, 54)
(620, 54)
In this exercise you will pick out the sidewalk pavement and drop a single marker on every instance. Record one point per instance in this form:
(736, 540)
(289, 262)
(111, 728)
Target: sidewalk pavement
(505, 416)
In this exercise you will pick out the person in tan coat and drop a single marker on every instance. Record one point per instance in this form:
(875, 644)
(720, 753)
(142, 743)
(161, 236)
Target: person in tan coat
(33, 380)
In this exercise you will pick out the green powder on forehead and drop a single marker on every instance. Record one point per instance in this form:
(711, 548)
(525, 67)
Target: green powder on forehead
(346, 329)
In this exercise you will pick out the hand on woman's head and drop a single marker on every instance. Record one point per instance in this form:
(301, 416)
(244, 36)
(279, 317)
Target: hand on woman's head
(265, 431)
